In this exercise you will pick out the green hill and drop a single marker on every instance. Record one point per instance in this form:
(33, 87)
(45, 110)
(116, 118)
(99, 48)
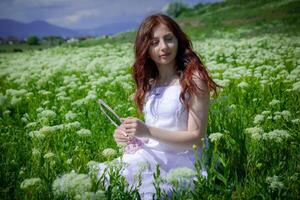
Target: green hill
(242, 18)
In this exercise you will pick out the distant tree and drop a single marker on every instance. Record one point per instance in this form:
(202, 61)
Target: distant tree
(199, 5)
(32, 40)
(53, 40)
(175, 8)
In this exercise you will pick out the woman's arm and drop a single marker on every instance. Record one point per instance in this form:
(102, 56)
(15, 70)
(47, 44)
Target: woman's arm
(197, 121)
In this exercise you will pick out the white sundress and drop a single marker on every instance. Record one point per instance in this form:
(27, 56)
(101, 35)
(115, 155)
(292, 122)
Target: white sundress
(162, 109)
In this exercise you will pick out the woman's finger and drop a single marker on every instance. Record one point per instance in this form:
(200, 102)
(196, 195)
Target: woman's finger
(130, 126)
(121, 140)
(121, 135)
(129, 120)
(122, 129)
(131, 131)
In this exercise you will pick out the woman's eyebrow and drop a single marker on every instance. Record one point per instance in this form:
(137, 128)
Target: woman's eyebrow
(168, 34)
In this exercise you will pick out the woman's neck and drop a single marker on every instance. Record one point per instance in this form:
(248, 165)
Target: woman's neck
(167, 80)
(166, 75)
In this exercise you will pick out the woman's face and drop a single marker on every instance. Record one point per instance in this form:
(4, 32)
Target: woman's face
(164, 44)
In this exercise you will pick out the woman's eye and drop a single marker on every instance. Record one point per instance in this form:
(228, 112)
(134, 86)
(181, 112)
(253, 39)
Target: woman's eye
(169, 39)
(153, 42)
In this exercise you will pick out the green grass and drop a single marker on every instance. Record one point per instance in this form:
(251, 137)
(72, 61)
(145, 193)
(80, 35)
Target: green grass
(258, 17)
(8, 48)
(47, 96)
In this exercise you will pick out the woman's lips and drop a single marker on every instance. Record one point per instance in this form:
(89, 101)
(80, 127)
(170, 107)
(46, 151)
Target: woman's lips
(165, 55)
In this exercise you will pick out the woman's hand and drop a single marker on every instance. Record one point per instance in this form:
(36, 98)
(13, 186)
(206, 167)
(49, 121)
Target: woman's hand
(135, 127)
(120, 136)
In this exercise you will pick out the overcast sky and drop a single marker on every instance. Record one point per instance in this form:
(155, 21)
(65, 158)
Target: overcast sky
(80, 14)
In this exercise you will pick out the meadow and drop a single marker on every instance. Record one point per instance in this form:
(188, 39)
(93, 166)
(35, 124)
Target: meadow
(53, 134)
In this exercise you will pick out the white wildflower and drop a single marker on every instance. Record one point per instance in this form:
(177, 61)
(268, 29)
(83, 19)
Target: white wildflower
(82, 87)
(180, 175)
(29, 95)
(25, 118)
(91, 195)
(72, 125)
(243, 85)
(92, 165)
(126, 86)
(15, 101)
(277, 113)
(71, 184)
(36, 134)
(22, 171)
(78, 102)
(255, 132)
(286, 114)
(49, 114)
(266, 112)
(274, 102)
(70, 116)
(264, 82)
(49, 155)
(58, 127)
(69, 161)
(84, 132)
(39, 109)
(16, 93)
(44, 92)
(296, 121)
(276, 135)
(215, 136)
(296, 86)
(277, 117)
(6, 112)
(63, 98)
(36, 152)
(92, 95)
(274, 183)
(47, 130)
(109, 152)
(45, 103)
(109, 93)
(223, 83)
(30, 183)
(258, 119)
(232, 107)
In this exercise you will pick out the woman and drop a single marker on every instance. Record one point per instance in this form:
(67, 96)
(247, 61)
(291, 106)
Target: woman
(173, 91)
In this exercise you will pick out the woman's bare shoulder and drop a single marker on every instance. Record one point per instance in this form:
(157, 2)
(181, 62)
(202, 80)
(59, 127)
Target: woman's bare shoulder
(201, 83)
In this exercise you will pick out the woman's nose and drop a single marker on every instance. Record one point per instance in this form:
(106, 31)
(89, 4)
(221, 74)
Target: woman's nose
(163, 45)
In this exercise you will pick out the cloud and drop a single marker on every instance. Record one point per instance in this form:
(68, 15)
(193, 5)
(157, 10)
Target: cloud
(40, 3)
(73, 18)
(81, 13)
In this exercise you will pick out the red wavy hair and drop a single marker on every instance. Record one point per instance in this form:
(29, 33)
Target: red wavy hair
(188, 63)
